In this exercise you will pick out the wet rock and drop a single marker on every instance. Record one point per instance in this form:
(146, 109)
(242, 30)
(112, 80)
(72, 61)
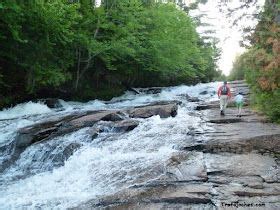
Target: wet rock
(186, 167)
(93, 132)
(184, 95)
(189, 98)
(150, 90)
(225, 120)
(70, 149)
(35, 133)
(205, 106)
(177, 102)
(126, 125)
(43, 131)
(203, 92)
(133, 90)
(29, 135)
(51, 102)
(91, 119)
(60, 158)
(193, 99)
(163, 111)
(114, 116)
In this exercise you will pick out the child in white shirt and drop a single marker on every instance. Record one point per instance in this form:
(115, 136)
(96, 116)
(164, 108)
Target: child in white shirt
(239, 99)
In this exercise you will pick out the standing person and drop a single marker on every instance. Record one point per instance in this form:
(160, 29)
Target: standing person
(239, 103)
(224, 95)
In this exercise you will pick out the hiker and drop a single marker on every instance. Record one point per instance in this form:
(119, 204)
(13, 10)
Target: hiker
(239, 103)
(224, 95)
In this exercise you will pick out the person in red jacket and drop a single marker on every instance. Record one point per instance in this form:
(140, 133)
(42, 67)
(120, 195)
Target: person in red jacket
(224, 95)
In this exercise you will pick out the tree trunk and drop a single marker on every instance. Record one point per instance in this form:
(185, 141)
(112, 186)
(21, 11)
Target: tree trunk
(78, 68)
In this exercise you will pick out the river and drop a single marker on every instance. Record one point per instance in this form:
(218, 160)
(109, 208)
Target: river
(42, 177)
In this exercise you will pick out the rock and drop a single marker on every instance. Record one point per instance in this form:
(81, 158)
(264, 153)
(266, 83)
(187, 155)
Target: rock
(234, 165)
(181, 193)
(189, 98)
(58, 159)
(125, 125)
(133, 90)
(185, 96)
(91, 119)
(203, 92)
(255, 194)
(115, 116)
(177, 102)
(37, 132)
(193, 99)
(51, 102)
(150, 90)
(94, 131)
(202, 107)
(30, 135)
(225, 120)
(186, 166)
(43, 131)
(163, 111)
(70, 149)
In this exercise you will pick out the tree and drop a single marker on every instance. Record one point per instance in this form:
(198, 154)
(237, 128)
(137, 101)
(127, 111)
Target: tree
(261, 62)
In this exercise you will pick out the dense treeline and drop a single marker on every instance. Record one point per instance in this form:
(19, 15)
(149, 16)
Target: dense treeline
(73, 49)
(260, 65)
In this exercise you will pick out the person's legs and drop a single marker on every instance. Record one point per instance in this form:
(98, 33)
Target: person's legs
(226, 101)
(237, 106)
(240, 108)
(221, 106)
(223, 103)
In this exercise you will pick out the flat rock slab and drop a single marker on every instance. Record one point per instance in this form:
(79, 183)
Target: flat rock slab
(186, 167)
(164, 111)
(235, 165)
(183, 193)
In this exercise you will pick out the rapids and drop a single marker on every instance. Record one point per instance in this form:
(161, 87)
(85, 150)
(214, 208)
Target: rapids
(42, 178)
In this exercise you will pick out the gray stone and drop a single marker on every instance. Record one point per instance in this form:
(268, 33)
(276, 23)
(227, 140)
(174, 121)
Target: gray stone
(163, 111)
(51, 102)
(126, 125)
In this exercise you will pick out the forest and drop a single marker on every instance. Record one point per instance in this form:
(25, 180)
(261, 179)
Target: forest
(75, 50)
(260, 64)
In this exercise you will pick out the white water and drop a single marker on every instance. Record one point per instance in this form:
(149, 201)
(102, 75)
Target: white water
(100, 167)
(20, 110)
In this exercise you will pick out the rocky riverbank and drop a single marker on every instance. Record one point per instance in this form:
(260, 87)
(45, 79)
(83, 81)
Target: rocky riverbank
(157, 148)
(235, 161)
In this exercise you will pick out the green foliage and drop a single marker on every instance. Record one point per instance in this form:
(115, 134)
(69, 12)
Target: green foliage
(72, 45)
(260, 64)
(238, 68)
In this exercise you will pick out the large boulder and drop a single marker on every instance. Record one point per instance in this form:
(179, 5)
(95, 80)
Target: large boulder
(125, 125)
(51, 102)
(43, 131)
(32, 134)
(163, 111)
(91, 119)
(119, 126)
(37, 132)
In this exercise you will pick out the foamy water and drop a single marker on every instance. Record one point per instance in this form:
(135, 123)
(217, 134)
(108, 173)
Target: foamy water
(20, 110)
(100, 167)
